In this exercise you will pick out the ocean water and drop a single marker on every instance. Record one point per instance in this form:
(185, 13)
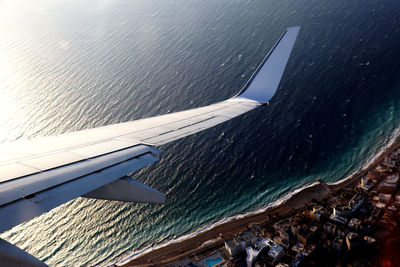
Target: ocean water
(72, 65)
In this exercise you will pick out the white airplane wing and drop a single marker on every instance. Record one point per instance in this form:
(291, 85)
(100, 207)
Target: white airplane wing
(40, 174)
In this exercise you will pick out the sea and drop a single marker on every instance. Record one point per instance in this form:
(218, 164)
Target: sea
(74, 65)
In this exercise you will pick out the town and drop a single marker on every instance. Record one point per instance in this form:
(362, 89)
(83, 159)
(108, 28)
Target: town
(357, 225)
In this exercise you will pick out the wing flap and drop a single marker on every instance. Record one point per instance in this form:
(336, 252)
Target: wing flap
(19, 188)
(24, 209)
(127, 190)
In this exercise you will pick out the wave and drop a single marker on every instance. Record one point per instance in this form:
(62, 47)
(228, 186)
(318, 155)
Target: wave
(381, 150)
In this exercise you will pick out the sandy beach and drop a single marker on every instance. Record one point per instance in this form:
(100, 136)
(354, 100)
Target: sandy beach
(215, 236)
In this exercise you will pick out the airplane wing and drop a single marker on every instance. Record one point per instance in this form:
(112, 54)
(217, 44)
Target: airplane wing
(40, 174)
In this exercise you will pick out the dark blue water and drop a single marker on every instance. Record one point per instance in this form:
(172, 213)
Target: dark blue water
(73, 65)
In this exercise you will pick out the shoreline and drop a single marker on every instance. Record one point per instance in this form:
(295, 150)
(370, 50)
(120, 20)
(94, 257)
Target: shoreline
(216, 233)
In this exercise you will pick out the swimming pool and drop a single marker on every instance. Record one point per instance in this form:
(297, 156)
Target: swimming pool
(210, 263)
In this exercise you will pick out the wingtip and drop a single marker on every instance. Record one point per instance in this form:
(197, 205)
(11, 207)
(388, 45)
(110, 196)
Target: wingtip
(293, 28)
(263, 84)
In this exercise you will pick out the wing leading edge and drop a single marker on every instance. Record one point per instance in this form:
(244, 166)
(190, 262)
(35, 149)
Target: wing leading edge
(38, 175)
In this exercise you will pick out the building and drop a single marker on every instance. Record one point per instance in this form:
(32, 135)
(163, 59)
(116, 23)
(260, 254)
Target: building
(342, 210)
(350, 208)
(337, 244)
(390, 161)
(384, 198)
(352, 241)
(249, 238)
(354, 225)
(389, 185)
(341, 232)
(304, 235)
(275, 252)
(313, 229)
(234, 248)
(369, 242)
(284, 242)
(337, 219)
(298, 247)
(298, 261)
(330, 228)
(366, 183)
(383, 169)
(294, 229)
(282, 226)
(252, 255)
(317, 214)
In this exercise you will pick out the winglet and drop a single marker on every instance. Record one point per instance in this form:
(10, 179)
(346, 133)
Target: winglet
(263, 84)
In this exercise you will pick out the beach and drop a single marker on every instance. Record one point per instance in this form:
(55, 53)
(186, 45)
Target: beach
(216, 235)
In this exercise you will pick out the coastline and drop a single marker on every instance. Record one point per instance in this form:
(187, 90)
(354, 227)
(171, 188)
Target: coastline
(215, 234)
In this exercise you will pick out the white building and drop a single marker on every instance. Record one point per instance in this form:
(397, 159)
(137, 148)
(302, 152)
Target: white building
(251, 256)
(275, 252)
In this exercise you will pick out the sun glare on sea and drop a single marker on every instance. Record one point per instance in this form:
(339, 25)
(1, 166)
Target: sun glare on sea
(10, 111)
